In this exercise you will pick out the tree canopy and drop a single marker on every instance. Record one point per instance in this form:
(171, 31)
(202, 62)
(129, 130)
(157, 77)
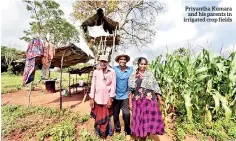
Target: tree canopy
(47, 23)
(136, 18)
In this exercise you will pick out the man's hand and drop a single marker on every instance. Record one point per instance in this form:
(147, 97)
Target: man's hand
(92, 103)
(109, 103)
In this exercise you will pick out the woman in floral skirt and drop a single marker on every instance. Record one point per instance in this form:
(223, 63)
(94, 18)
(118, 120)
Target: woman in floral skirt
(144, 94)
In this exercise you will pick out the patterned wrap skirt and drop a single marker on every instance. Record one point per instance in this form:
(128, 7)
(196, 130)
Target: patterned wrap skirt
(102, 116)
(146, 118)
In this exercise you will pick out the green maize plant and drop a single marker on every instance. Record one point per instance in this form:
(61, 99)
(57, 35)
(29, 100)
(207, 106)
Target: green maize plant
(204, 84)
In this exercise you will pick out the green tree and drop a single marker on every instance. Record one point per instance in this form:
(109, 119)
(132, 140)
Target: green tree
(3, 50)
(11, 48)
(47, 23)
(10, 54)
(136, 18)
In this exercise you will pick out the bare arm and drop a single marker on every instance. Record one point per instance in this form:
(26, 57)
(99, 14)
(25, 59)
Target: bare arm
(160, 99)
(92, 91)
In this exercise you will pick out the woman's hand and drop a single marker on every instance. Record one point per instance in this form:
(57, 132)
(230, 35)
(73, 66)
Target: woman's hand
(162, 102)
(130, 105)
(130, 101)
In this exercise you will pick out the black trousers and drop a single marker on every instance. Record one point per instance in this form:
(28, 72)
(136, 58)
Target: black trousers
(124, 106)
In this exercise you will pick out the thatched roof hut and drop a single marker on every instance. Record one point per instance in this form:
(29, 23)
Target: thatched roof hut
(73, 55)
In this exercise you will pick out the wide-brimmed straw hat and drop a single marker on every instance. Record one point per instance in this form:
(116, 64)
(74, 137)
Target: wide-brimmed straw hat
(122, 55)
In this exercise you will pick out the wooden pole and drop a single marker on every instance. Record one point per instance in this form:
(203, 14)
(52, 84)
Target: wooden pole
(113, 48)
(30, 89)
(73, 84)
(76, 83)
(61, 80)
(86, 88)
(69, 85)
(49, 74)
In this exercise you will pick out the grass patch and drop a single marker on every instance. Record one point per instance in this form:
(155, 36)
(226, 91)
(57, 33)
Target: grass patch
(220, 130)
(64, 131)
(12, 83)
(119, 137)
(40, 122)
(81, 118)
(86, 135)
(11, 114)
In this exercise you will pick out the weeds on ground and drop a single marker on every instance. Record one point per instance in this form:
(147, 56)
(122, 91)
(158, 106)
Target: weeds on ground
(220, 130)
(119, 137)
(81, 118)
(86, 135)
(64, 131)
(60, 123)
(11, 114)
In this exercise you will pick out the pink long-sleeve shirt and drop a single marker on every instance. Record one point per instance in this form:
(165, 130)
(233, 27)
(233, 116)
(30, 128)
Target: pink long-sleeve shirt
(103, 86)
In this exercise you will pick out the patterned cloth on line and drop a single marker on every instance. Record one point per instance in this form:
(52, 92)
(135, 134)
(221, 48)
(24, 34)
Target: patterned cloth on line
(29, 71)
(35, 48)
(48, 55)
(102, 116)
(146, 118)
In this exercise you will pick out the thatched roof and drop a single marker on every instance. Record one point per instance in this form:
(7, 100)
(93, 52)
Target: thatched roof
(99, 18)
(87, 69)
(72, 56)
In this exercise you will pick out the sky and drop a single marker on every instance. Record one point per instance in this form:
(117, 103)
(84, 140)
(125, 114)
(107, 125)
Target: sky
(172, 32)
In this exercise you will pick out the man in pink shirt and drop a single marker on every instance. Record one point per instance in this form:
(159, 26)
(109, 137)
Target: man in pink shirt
(102, 94)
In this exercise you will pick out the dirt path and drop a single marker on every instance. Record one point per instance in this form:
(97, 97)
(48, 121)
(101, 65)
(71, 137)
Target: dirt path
(38, 98)
(74, 103)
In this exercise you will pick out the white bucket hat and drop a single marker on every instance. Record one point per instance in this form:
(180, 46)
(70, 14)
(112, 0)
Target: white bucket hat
(103, 58)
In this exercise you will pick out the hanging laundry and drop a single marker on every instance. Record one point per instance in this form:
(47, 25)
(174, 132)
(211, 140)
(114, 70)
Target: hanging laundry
(48, 55)
(35, 48)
